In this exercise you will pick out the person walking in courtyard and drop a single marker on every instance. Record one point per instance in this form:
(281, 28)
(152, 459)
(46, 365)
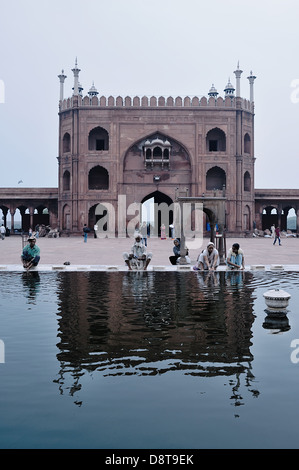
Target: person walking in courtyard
(31, 254)
(2, 232)
(137, 258)
(86, 230)
(143, 232)
(235, 257)
(277, 236)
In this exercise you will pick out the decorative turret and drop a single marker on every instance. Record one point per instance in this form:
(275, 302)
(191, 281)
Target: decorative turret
(93, 91)
(76, 79)
(61, 77)
(213, 92)
(238, 73)
(229, 89)
(251, 79)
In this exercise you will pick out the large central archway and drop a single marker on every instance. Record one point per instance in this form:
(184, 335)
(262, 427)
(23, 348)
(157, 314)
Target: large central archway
(157, 209)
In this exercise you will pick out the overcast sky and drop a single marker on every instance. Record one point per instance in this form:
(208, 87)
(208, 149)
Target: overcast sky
(146, 47)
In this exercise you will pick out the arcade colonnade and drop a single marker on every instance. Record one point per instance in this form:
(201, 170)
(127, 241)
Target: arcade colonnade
(34, 206)
(272, 206)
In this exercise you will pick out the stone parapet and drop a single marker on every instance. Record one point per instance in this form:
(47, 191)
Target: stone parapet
(155, 102)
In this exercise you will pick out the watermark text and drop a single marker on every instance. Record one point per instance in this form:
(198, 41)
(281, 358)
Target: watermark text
(2, 352)
(295, 352)
(2, 92)
(295, 92)
(185, 218)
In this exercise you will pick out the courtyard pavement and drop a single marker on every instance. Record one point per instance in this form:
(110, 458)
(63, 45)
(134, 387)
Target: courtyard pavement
(107, 253)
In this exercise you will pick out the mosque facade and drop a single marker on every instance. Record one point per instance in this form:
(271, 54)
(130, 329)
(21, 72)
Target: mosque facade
(118, 154)
(117, 151)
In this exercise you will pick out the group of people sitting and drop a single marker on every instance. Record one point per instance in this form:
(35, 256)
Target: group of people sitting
(139, 259)
(209, 257)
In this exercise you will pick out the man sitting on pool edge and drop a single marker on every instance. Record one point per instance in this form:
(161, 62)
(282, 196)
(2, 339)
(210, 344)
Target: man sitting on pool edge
(137, 258)
(235, 257)
(31, 254)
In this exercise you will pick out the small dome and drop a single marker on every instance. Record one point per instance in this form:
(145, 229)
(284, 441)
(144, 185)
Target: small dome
(213, 91)
(93, 91)
(229, 89)
(157, 142)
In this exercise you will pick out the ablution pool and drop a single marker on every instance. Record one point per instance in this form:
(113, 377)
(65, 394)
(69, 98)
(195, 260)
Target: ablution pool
(147, 360)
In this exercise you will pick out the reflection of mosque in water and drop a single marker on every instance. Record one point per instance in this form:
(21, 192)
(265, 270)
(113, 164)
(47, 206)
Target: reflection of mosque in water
(150, 323)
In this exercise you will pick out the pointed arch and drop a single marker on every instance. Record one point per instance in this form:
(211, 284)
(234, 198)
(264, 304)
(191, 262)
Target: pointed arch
(215, 178)
(98, 178)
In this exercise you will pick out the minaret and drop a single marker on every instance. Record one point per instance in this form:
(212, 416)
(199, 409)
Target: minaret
(251, 79)
(213, 92)
(76, 78)
(61, 77)
(238, 73)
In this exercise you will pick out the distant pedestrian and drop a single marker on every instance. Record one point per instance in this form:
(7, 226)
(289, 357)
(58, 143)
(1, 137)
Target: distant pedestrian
(171, 226)
(143, 232)
(163, 232)
(2, 232)
(273, 231)
(277, 236)
(86, 231)
(95, 228)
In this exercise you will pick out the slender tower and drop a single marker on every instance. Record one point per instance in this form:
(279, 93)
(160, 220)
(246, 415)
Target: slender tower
(61, 77)
(251, 79)
(238, 74)
(76, 78)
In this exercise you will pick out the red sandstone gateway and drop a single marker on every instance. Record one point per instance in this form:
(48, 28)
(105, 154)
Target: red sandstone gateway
(153, 149)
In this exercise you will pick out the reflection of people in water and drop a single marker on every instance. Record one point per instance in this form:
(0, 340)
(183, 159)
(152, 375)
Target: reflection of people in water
(210, 278)
(31, 282)
(235, 278)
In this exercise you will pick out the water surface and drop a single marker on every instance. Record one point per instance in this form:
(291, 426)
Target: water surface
(147, 360)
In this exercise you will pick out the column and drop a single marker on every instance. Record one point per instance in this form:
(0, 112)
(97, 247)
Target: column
(238, 74)
(251, 79)
(239, 193)
(76, 79)
(12, 217)
(61, 77)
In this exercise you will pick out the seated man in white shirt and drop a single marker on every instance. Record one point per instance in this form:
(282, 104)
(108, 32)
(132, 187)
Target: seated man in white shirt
(137, 258)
